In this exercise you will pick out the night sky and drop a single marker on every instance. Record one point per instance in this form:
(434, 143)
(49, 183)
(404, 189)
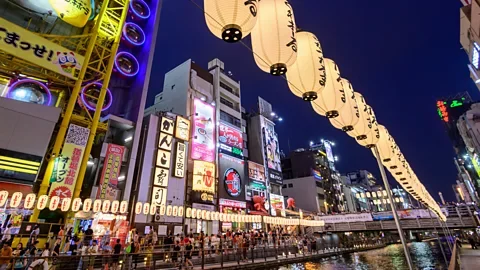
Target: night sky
(401, 55)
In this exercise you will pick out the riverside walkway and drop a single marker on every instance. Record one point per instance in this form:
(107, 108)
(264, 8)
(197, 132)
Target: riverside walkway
(469, 258)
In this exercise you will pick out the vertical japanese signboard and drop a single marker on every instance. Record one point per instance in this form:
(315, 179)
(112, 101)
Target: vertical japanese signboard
(203, 133)
(24, 44)
(182, 128)
(162, 164)
(67, 164)
(272, 152)
(110, 173)
(179, 169)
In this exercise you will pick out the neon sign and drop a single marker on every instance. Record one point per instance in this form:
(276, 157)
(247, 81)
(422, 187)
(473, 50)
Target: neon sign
(442, 110)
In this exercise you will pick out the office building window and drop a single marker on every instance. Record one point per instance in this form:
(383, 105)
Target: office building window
(230, 119)
(284, 186)
(227, 103)
(290, 185)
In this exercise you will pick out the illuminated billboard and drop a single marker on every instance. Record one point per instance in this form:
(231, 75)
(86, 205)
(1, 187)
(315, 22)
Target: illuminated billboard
(203, 176)
(203, 133)
(256, 171)
(328, 149)
(271, 145)
(230, 136)
(277, 203)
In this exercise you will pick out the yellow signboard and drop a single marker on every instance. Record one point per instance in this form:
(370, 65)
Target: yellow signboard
(204, 176)
(182, 128)
(67, 165)
(28, 46)
(74, 12)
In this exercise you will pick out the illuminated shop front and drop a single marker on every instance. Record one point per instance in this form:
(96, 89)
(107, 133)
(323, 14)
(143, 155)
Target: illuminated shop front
(232, 207)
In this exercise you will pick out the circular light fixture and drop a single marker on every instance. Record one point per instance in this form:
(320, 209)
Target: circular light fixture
(140, 9)
(31, 91)
(93, 89)
(133, 34)
(126, 64)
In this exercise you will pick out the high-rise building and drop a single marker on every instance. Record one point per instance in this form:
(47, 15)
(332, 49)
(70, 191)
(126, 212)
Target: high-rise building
(56, 68)
(210, 99)
(470, 37)
(317, 160)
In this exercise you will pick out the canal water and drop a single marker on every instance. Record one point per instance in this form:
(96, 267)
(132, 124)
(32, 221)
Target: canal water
(425, 255)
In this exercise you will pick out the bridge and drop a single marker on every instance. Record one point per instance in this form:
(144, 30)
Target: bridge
(458, 217)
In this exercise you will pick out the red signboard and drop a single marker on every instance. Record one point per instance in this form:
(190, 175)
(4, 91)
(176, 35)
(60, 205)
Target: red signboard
(230, 136)
(111, 171)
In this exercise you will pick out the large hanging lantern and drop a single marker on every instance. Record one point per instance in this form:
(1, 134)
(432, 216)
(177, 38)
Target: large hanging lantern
(373, 135)
(384, 145)
(273, 37)
(349, 115)
(307, 76)
(331, 99)
(230, 20)
(364, 125)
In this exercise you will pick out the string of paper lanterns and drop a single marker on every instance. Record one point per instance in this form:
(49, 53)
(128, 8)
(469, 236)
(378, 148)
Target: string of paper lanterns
(64, 204)
(278, 47)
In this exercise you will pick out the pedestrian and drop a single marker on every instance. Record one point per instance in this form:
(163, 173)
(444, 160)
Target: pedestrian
(5, 253)
(34, 234)
(116, 255)
(7, 235)
(88, 236)
(155, 237)
(176, 252)
(43, 261)
(19, 261)
(56, 252)
(188, 255)
(68, 239)
(92, 251)
(472, 242)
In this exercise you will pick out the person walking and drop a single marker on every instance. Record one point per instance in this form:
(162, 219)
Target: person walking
(5, 253)
(92, 251)
(7, 235)
(472, 242)
(175, 253)
(18, 254)
(116, 255)
(43, 261)
(56, 252)
(188, 255)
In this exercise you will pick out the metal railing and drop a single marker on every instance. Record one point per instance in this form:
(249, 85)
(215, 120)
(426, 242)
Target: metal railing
(163, 257)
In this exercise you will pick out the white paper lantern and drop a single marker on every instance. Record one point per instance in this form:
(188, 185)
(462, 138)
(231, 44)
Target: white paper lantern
(97, 206)
(384, 145)
(169, 210)
(64, 206)
(188, 213)
(115, 206)
(349, 114)
(16, 199)
(332, 98)
(273, 37)
(123, 207)
(54, 202)
(307, 76)
(180, 211)
(204, 214)
(138, 208)
(363, 126)
(30, 201)
(153, 209)
(208, 215)
(230, 20)
(42, 202)
(175, 210)
(146, 208)
(163, 210)
(373, 136)
(106, 206)
(76, 204)
(194, 213)
(3, 197)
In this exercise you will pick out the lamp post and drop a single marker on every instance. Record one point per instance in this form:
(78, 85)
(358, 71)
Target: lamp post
(392, 205)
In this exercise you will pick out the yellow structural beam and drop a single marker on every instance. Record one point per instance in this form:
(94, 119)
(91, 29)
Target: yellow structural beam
(114, 21)
(62, 131)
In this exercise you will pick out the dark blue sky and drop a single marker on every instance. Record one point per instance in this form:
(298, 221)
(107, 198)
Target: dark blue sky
(401, 55)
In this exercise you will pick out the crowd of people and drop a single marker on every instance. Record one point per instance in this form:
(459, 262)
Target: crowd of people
(178, 249)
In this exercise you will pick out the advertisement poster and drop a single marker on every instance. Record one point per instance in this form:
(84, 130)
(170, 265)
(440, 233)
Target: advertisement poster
(230, 136)
(233, 182)
(277, 203)
(38, 50)
(110, 173)
(272, 148)
(203, 176)
(65, 173)
(328, 149)
(256, 171)
(203, 132)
